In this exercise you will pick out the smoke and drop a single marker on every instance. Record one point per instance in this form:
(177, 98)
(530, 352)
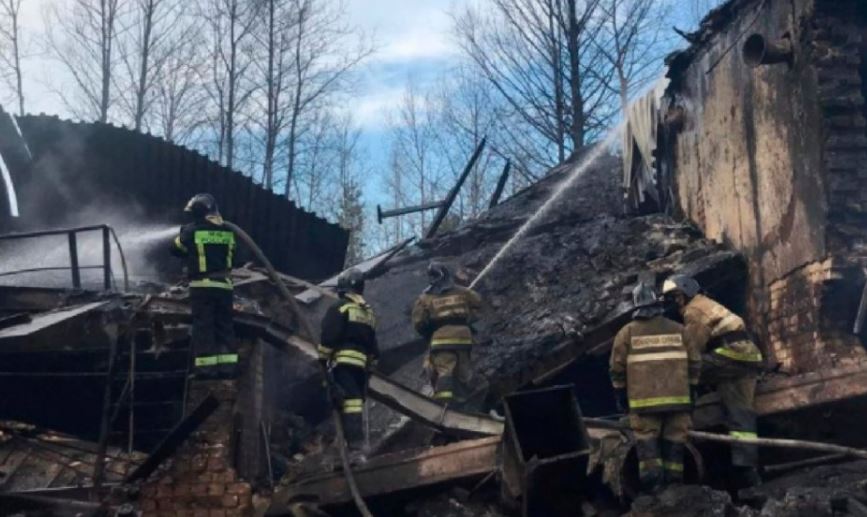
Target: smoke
(67, 185)
(145, 244)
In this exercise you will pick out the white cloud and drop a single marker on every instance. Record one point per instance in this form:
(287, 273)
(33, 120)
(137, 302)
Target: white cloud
(372, 109)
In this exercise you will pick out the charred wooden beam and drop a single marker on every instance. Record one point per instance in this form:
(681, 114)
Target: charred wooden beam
(175, 439)
(501, 185)
(393, 473)
(453, 193)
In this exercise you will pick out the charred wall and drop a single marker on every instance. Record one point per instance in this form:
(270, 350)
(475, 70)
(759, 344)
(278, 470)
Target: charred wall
(771, 160)
(83, 173)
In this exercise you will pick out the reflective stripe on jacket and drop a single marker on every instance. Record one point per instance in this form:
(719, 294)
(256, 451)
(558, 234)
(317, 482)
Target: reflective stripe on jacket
(715, 329)
(209, 249)
(651, 359)
(348, 332)
(444, 319)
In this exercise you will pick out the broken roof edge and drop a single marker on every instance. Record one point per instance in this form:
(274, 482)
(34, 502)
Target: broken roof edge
(711, 25)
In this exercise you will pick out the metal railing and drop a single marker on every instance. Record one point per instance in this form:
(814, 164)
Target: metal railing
(72, 235)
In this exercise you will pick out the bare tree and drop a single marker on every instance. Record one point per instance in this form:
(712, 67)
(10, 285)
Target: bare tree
(229, 24)
(180, 96)
(632, 42)
(86, 46)
(151, 40)
(281, 20)
(349, 204)
(416, 156)
(467, 113)
(539, 58)
(11, 53)
(324, 51)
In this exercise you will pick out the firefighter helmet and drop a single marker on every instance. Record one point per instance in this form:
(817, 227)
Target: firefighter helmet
(643, 296)
(437, 272)
(202, 205)
(681, 283)
(351, 280)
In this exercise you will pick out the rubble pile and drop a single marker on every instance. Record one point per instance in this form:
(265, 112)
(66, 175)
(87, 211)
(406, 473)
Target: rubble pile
(571, 272)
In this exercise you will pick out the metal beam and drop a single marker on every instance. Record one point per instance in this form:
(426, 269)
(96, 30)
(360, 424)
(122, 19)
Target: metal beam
(453, 193)
(396, 212)
(394, 473)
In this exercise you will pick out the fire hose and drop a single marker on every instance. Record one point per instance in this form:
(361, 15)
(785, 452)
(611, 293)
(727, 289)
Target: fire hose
(307, 331)
(783, 443)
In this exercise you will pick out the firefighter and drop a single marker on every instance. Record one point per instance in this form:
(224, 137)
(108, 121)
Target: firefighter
(731, 363)
(208, 248)
(654, 374)
(443, 315)
(347, 349)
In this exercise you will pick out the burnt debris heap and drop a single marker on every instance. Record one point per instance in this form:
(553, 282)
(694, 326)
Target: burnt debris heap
(742, 169)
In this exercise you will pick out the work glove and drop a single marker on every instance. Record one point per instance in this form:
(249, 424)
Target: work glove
(621, 400)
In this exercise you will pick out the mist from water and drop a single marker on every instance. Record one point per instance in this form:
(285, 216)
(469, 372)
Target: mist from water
(586, 162)
(139, 242)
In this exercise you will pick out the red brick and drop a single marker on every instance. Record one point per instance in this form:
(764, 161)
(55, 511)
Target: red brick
(217, 513)
(241, 489)
(164, 491)
(200, 489)
(200, 513)
(183, 490)
(216, 489)
(230, 501)
(216, 465)
(227, 477)
(148, 505)
(200, 463)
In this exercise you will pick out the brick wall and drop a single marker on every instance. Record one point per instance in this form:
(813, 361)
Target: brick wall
(838, 52)
(807, 329)
(200, 480)
(812, 309)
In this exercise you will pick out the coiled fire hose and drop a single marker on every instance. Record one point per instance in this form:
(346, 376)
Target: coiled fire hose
(307, 331)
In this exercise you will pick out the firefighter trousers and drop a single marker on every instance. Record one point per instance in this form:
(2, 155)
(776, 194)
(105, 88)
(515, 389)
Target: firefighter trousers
(212, 336)
(736, 386)
(350, 383)
(660, 442)
(451, 373)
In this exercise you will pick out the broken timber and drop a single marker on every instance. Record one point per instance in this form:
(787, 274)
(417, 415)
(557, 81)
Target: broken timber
(393, 473)
(381, 388)
(772, 396)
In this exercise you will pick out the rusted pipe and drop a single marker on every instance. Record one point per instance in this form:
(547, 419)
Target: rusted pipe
(758, 50)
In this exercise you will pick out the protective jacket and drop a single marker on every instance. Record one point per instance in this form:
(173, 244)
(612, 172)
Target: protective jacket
(209, 248)
(651, 359)
(348, 334)
(715, 329)
(445, 318)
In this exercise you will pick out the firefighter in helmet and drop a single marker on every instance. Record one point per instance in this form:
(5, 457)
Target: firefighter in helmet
(347, 348)
(731, 363)
(208, 248)
(443, 315)
(654, 374)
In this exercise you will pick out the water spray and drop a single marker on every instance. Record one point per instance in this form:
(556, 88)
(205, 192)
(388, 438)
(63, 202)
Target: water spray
(585, 163)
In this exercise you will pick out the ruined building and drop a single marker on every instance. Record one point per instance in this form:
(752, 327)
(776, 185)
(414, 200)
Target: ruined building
(760, 139)
(744, 169)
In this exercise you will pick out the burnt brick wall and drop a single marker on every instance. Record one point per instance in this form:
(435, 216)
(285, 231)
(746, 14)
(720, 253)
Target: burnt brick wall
(773, 161)
(200, 480)
(812, 310)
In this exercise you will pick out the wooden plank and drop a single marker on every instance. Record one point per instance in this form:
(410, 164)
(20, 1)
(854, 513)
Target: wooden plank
(394, 473)
(781, 395)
